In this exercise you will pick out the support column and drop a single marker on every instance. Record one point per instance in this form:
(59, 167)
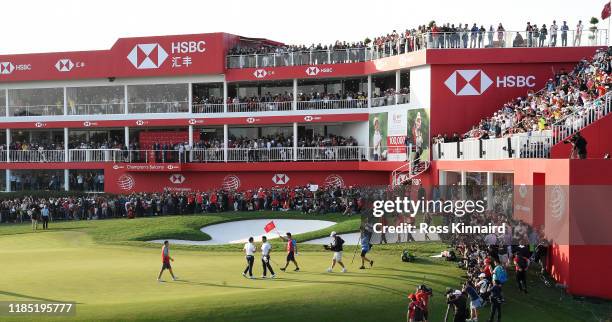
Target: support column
(66, 155)
(8, 145)
(6, 103)
(66, 180)
(295, 92)
(225, 97)
(191, 135)
(7, 180)
(398, 85)
(489, 190)
(463, 183)
(65, 102)
(369, 91)
(190, 98)
(295, 140)
(125, 100)
(225, 141)
(126, 134)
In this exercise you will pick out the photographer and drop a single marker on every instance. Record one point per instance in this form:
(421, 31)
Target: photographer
(458, 301)
(579, 146)
(496, 301)
(423, 293)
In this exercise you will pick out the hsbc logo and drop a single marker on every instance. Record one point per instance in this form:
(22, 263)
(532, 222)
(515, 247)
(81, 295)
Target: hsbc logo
(280, 178)
(474, 82)
(86, 124)
(39, 124)
(177, 178)
(6, 68)
(308, 118)
(140, 122)
(260, 73)
(64, 65)
(312, 70)
(192, 121)
(250, 120)
(147, 56)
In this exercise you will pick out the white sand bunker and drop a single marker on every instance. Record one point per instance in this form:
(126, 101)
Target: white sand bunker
(239, 231)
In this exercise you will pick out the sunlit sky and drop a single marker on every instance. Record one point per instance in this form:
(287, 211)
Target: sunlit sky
(29, 26)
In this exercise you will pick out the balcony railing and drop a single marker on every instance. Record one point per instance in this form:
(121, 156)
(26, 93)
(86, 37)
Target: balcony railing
(159, 107)
(92, 109)
(581, 118)
(35, 156)
(332, 104)
(260, 107)
(438, 40)
(37, 110)
(207, 108)
(94, 155)
(514, 147)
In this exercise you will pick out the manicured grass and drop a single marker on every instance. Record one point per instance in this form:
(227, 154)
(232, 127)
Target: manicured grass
(104, 267)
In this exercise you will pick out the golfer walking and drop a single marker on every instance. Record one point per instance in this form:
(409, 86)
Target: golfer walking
(336, 247)
(249, 251)
(291, 252)
(166, 262)
(265, 257)
(45, 217)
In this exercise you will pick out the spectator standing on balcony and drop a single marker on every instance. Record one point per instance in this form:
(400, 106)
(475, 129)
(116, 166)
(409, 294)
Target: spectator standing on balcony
(543, 34)
(474, 36)
(529, 31)
(481, 33)
(500, 35)
(564, 30)
(578, 35)
(553, 34)
(464, 35)
(490, 35)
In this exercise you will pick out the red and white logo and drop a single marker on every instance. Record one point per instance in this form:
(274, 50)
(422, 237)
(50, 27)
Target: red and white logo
(334, 180)
(230, 182)
(250, 120)
(468, 82)
(147, 56)
(260, 73)
(177, 178)
(140, 122)
(6, 68)
(39, 124)
(280, 178)
(308, 118)
(126, 182)
(312, 70)
(64, 65)
(192, 121)
(86, 124)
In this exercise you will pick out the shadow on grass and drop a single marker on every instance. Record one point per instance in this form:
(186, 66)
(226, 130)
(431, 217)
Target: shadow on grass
(28, 297)
(216, 285)
(348, 283)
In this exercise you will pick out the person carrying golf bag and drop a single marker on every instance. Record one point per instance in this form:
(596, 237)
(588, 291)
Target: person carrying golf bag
(365, 248)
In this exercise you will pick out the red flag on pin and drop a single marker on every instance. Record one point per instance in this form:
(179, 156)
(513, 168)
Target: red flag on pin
(270, 226)
(605, 13)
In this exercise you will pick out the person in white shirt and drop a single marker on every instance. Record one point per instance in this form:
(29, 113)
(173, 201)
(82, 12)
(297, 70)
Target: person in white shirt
(249, 251)
(553, 34)
(578, 35)
(336, 247)
(265, 257)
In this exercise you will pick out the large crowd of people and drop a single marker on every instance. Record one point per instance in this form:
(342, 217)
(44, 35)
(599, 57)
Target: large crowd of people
(566, 99)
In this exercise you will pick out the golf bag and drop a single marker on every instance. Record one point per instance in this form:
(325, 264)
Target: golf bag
(407, 257)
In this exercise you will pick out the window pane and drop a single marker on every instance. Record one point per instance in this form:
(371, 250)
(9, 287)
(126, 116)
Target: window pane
(159, 98)
(95, 100)
(36, 101)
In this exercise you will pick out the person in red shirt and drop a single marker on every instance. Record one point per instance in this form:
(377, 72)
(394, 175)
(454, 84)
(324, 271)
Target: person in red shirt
(422, 296)
(165, 254)
(291, 252)
(415, 309)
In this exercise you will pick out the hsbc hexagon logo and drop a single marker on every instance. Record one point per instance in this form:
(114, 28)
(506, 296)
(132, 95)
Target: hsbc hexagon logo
(308, 118)
(250, 120)
(312, 70)
(468, 82)
(140, 122)
(192, 121)
(39, 124)
(177, 178)
(64, 65)
(147, 56)
(6, 68)
(280, 178)
(260, 73)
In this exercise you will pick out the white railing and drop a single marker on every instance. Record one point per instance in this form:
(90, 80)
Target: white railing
(35, 156)
(383, 101)
(94, 155)
(418, 41)
(91, 109)
(581, 118)
(260, 155)
(159, 107)
(332, 104)
(521, 146)
(36, 110)
(259, 106)
(332, 153)
(207, 108)
(207, 155)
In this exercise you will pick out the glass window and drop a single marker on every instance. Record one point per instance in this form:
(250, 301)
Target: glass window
(37, 180)
(95, 100)
(36, 101)
(159, 98)
(2, 102)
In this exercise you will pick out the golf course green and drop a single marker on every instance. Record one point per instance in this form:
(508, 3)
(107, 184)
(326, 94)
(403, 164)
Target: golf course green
(110, 270)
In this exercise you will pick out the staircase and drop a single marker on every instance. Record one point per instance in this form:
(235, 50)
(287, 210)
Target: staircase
(578, 120)
(409, 170)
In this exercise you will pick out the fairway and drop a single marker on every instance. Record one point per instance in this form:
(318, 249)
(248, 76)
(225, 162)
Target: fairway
(113, 281)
